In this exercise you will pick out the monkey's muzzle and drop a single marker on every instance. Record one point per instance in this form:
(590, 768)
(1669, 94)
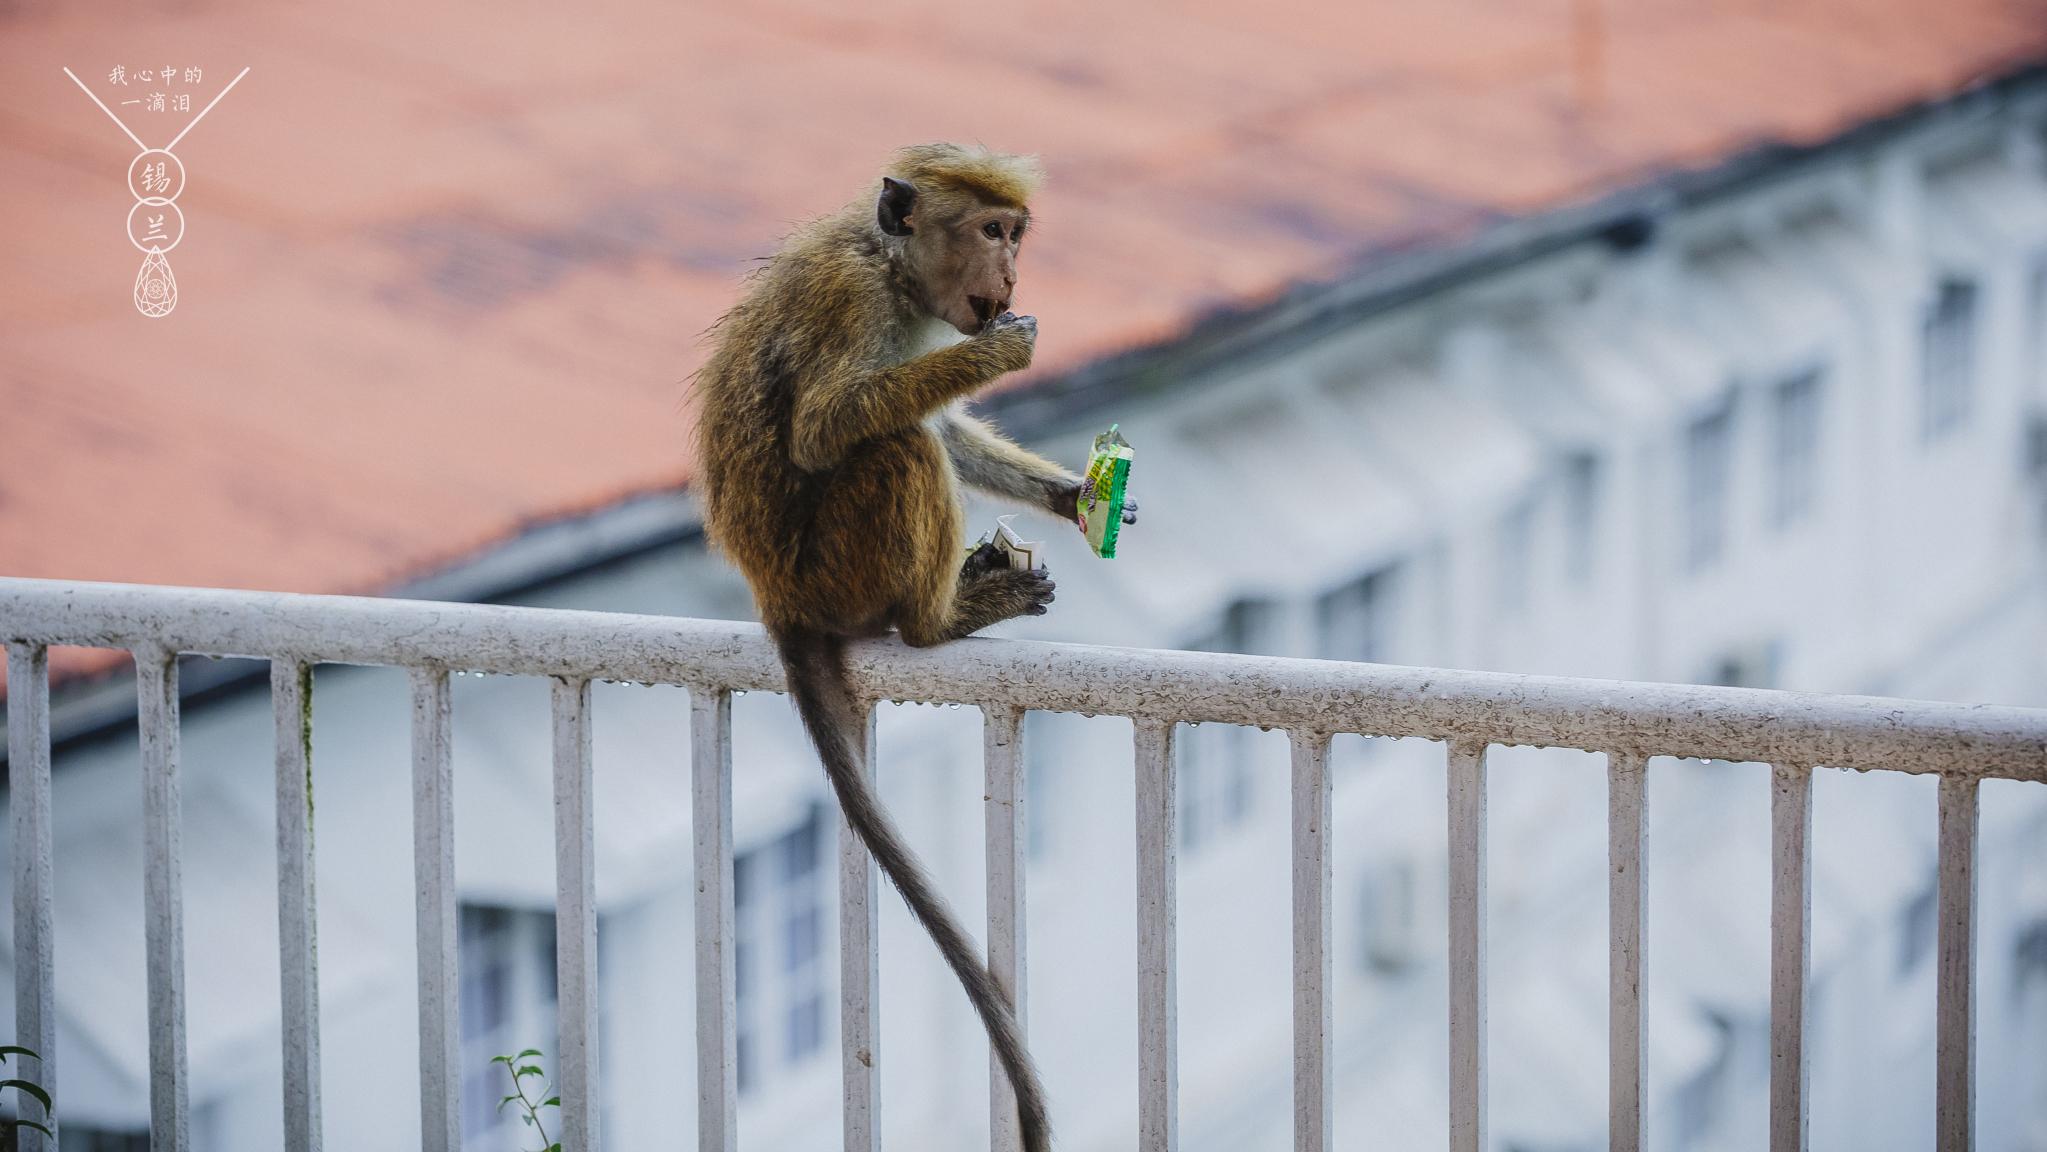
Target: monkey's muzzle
(986, 309)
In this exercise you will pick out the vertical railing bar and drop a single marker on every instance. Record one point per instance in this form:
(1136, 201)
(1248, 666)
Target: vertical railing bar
(1314, 1086)
(1467, 804)
(575, 915)
(860, 974)
(1002, 753)
(433, 863)
(1790, 955)
(1954, 1096)
(717, 1016)
(35, 965)
(1158, 1024)
(1627, 904)
(291, 710)
(156, 688)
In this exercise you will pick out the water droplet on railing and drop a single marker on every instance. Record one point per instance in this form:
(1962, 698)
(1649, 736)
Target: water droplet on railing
(738, 692)
(952, 706)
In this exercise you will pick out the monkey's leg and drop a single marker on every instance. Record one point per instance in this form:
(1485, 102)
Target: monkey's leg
(978, 602)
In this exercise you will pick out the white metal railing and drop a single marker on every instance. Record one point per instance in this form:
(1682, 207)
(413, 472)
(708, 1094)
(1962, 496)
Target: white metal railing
(1312, 699)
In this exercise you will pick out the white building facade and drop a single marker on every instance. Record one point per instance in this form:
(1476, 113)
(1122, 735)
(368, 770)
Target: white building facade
(1783, 425)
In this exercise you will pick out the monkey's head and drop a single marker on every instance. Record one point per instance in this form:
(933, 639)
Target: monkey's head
(960, 215)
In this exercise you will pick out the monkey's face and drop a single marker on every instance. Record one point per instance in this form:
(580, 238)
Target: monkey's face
(967, 266)
(961, 252)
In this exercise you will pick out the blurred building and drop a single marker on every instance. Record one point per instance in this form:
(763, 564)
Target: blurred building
(1733, 373)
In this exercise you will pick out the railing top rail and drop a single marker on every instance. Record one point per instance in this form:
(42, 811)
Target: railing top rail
(1799, 728)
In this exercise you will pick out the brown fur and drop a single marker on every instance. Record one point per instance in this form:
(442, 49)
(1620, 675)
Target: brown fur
(990, 177)
(832, 447)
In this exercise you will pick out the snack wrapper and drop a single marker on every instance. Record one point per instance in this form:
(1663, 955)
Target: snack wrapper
(1101, 493)
(1022, 553)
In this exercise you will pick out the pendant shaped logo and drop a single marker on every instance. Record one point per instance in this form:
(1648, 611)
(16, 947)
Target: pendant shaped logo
(156, 224)
(156, 290)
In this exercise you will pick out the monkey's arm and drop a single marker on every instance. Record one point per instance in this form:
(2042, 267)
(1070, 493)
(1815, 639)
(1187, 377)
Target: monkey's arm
(989, 461)
(835, 413)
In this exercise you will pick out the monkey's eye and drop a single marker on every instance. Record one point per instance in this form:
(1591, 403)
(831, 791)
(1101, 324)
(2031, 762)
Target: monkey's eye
(992, 230)
(1016, 236)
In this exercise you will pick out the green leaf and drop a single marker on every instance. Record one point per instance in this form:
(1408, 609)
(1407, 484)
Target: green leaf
(18, 1050)
(505, 1060)
(31, 1088)
(526, 1120)
(529, 1052)
(554, 1148)
(530, 1070)
(554, 1100)
(34, 1125)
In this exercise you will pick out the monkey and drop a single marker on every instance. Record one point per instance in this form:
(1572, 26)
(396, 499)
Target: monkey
(832, 441)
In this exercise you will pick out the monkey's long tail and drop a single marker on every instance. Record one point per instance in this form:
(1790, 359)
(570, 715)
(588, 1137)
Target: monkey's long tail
(816, 665)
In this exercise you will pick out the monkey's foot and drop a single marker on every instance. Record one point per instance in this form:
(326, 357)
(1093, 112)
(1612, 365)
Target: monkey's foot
(1013, 592)
(985, 600)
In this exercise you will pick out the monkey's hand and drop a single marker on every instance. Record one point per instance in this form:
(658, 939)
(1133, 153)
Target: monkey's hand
(1012, 339)
(984, 560)
(1065, 503)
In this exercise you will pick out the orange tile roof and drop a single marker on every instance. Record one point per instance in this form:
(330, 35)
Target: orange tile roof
(447, 264)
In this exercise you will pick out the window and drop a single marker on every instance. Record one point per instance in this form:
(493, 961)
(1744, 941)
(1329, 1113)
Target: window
(1517, 546)
(1948, 360)
(1214, 771)
(778, 954)
(1794, 448)
(2036, 465)
(2036, 448)
(1581, 515)
(1353, 621)
(83, 1138)
(1749, 666)
(1214, 793)
(508, 990)
(1917, 930)
(1709, 450)
(1246, 627)
(2036, 311)
(1041, 760)
(1387, 917)
(1052, 742)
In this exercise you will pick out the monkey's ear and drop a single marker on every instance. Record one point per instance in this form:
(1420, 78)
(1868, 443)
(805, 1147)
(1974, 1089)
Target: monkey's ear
(897, 199)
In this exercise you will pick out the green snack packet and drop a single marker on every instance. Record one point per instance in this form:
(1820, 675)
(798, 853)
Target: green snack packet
(1101, 494)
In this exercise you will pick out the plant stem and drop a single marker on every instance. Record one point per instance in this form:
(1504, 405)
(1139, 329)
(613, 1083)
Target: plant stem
(533, 1110)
